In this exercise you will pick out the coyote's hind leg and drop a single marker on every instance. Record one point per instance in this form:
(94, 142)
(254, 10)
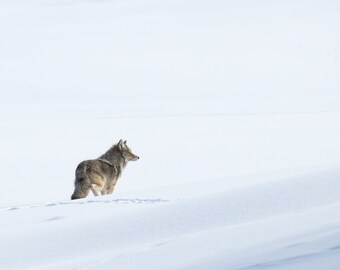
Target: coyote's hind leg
(96, 190)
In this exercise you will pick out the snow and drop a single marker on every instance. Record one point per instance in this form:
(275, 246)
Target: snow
(233, 107)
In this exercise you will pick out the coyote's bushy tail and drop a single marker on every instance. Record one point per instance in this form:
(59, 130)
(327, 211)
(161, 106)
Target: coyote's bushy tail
(82, 188)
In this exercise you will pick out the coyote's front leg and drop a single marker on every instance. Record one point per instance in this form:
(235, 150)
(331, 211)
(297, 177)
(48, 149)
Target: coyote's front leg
(112, 186)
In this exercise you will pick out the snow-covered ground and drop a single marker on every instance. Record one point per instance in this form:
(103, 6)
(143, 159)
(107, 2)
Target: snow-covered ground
(233, 107)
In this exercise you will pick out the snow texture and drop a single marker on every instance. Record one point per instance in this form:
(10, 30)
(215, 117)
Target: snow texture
(233, 107)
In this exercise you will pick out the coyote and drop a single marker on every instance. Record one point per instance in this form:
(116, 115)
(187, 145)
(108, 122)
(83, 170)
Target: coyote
(101, 174)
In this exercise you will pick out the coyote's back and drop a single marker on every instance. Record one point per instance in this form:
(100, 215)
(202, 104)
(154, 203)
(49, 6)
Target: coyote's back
(101, 175)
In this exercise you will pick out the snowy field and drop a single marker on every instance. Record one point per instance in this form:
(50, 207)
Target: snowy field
(233, 107)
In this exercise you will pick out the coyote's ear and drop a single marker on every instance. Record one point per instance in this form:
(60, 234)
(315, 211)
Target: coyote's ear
(120, 144)
(125, 142)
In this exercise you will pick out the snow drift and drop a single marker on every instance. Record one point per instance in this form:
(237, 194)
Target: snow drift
(233, 107)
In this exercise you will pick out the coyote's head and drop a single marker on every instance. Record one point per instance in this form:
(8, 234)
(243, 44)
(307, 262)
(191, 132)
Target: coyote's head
(126, 151)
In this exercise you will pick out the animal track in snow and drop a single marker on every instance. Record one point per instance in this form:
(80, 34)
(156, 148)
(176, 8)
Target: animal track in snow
(115, 201)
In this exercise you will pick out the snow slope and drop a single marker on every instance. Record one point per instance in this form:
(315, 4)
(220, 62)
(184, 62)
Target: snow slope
(286, 224)
(233, 107)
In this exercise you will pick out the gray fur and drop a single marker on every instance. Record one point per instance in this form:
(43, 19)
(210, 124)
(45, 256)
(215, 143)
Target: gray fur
(101, 175)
